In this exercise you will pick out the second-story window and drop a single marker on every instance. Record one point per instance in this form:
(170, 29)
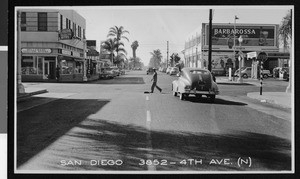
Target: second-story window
(61, 22)
(42, 21)
(67, 23)
(23, 21)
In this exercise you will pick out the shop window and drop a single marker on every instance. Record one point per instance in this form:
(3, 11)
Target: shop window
(67, 67)
(28, 65)
(78, 68)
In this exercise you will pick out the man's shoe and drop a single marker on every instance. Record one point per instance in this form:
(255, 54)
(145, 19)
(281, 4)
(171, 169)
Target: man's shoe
(160, 90)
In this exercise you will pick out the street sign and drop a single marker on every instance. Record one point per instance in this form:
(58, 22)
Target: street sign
(262, 56)
(241, 54)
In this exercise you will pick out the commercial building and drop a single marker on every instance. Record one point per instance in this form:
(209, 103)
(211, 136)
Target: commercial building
(93, 60)
(52, 42)
(226, 46)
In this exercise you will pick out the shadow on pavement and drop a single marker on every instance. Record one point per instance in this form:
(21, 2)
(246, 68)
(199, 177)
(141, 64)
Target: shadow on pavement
(121, 80)
(39, 127)
(217, 101)
(131, 144)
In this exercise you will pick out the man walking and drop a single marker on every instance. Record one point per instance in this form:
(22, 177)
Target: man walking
(154, 79)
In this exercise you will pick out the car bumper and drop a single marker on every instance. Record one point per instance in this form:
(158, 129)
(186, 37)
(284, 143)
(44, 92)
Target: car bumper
(202, 92)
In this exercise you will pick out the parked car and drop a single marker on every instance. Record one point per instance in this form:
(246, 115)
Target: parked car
(195, 81)
(122, 71)
(245, 72)
(174, 71)
(285, 71)
(266, 73)
(150, 71)
(168, 70)
(116, 71)
(106, 73)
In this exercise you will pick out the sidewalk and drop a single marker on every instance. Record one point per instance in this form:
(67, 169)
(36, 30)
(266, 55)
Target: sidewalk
(282, 99)
(30, 91)
(233, 81)
(279, 98)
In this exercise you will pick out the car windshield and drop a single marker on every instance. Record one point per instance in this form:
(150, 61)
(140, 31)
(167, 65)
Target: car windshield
(198, 72)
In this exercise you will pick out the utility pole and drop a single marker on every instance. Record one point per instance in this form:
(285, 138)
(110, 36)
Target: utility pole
(167, 53)
(210, 40)
(20, 87)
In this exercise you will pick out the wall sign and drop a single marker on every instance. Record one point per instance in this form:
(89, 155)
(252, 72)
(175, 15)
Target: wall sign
(65, 34)
(36, 50)
(66, 52)
(253, 35)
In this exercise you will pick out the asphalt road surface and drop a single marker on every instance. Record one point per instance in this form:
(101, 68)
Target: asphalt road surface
(113, 125)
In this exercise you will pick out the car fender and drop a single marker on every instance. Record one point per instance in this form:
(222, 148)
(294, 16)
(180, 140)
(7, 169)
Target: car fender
(174, 85)
(215, 87)
(182, 83)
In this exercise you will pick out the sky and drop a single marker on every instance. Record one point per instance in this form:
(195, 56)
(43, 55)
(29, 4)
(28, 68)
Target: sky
(153, 26)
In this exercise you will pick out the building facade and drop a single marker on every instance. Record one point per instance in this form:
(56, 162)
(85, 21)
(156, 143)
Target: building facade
(93, 61)
(226, 46)
(52, 43)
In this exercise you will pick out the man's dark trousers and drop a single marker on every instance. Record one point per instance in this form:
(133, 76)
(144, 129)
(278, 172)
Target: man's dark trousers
(154, 85)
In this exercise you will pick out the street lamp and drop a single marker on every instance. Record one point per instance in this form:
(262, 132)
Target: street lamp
(240, 59)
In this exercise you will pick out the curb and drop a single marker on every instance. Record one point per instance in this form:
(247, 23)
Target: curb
(265, 99)
(25, 96)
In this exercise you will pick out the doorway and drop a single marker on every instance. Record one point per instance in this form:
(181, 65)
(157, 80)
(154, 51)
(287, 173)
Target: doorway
(46, 68)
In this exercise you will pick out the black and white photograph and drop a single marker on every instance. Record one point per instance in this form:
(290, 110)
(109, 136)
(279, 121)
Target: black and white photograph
(154, 89)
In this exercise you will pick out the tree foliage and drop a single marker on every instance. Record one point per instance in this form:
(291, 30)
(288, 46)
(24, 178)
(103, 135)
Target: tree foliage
(155, 60)
(285, 29)
(114, 44)
(134, 46)
(174, 59)
(118, 33)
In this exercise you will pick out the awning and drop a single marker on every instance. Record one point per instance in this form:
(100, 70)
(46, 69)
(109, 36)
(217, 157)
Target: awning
(282, 55)
(78, 60)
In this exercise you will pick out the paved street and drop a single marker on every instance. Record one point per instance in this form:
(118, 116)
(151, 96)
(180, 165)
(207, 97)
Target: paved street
(114, 125)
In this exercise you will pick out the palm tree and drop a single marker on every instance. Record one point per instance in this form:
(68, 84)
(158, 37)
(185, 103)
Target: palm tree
(118, 33)
(156, 58)
(111, 45)
(285, 29)
(134, 46)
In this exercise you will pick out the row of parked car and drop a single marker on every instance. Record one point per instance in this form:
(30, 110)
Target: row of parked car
(111, 72)
(246, 72)
(169, 70)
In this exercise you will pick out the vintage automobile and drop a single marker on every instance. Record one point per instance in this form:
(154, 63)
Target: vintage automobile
(195, 81)
(174, 71)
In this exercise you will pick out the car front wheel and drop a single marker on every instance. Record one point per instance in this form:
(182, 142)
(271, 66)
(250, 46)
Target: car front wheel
(174, 92)
(245, 76)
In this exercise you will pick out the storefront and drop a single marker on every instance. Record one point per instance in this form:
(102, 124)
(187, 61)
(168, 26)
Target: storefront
(70, 69)
(41, 65)
(38, 64)
(273, 60)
